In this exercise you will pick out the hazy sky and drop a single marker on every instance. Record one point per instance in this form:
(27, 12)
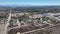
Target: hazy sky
(29, 2)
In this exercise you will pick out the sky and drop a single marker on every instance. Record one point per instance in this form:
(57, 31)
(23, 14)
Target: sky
(29, 2)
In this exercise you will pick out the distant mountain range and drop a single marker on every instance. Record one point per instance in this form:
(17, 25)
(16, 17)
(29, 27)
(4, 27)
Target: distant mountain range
(30, 6)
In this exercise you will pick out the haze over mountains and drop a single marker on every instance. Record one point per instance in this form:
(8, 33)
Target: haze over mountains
(7, 6)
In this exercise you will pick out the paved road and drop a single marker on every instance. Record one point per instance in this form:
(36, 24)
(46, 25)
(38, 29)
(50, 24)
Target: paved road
(3, 27)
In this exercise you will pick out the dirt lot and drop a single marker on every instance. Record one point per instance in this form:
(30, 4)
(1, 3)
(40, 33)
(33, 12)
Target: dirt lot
(2, 28)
